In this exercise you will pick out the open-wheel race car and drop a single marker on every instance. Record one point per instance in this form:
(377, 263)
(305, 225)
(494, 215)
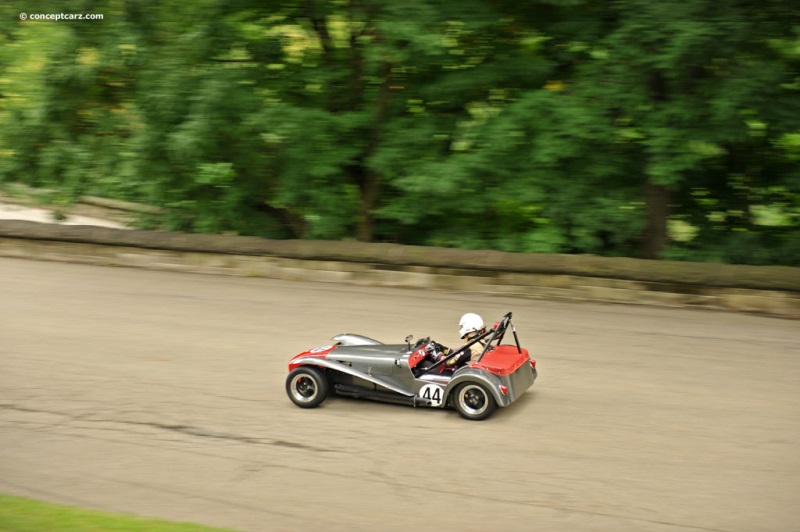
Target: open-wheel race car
(418, 375)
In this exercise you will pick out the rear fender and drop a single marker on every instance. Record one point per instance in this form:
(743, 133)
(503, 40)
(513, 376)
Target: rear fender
(341, 368)
(491, 381)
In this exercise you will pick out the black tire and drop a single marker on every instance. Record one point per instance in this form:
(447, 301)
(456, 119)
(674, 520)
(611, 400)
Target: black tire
(474, 402)
(307, 387)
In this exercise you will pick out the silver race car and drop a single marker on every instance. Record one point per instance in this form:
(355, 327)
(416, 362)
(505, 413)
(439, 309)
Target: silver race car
(417, 375)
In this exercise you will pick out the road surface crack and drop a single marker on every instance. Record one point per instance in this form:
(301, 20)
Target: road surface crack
(188, 430)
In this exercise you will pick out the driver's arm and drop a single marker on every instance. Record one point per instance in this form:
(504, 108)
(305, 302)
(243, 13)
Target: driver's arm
(458, 359)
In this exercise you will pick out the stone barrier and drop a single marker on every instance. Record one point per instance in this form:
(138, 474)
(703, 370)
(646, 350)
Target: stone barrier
(772, 290)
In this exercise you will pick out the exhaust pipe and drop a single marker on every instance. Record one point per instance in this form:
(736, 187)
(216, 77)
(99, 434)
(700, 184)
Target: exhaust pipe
(358, 393)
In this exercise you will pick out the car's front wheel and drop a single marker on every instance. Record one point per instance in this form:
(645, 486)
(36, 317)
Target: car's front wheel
(473, 401)
(307, 387)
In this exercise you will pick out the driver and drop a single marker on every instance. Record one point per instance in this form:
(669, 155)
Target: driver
(469, 327)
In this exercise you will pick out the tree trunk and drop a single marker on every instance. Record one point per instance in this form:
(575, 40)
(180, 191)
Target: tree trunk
(656, 235)
(369, 198)
(368, 179)
(657, 197)
(292, 220)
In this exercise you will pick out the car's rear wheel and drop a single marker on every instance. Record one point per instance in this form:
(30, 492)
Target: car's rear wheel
(473, 401)
(307, 387)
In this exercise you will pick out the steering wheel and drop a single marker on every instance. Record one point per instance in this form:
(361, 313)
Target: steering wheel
(420, 343)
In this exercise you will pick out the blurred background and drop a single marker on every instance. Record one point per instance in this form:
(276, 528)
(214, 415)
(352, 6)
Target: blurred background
(665, 129)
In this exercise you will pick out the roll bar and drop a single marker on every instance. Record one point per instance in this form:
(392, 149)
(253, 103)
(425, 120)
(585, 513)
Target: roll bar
(496, 333)
(499, 333)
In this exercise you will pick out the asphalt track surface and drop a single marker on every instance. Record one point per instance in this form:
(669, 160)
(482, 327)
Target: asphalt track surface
(162, 394)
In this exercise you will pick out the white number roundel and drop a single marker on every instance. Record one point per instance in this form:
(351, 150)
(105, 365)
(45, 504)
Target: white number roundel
(320, 349)
(433, 393)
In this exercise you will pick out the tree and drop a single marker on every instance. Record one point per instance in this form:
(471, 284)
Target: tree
(683, 85)
(664, 129)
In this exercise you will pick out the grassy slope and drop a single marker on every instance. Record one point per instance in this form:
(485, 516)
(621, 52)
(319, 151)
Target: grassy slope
(18, 514)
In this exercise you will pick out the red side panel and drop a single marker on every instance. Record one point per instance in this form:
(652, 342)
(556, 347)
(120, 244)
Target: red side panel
(502, 361)
(417, 357)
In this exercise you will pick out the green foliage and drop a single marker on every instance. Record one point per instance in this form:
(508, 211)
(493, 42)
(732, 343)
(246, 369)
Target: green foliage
(535, 127)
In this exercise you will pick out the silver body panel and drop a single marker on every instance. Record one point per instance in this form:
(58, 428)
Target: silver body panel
(354, 339)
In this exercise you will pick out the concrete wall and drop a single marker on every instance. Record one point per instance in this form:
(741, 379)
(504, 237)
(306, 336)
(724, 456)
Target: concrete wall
(772, 290)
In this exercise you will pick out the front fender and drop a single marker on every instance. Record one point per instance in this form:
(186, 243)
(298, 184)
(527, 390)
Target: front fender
(491, 381)
(336, 366)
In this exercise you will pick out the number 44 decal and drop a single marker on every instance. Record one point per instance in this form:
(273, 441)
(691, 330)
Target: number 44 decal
(432, 393)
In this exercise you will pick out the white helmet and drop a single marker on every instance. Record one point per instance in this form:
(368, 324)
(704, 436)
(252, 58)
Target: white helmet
(469, 323)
